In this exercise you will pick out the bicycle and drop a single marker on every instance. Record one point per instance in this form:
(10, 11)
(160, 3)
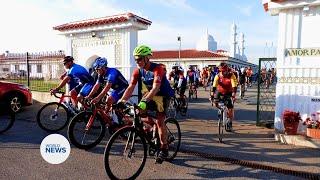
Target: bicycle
(87, 129)
(6, 121)
(193, 93)
(223, 117)
(128, 146)
(175, 106)
(54, 116)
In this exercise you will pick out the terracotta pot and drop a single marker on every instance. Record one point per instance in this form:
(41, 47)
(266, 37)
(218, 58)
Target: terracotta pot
(291, 128)
(313, 133)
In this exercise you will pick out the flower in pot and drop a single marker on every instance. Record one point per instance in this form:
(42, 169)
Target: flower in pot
(291, 121)
(313, 127)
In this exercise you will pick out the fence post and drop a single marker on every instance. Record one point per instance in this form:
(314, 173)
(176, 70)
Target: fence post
(258, 98)
(28, 73)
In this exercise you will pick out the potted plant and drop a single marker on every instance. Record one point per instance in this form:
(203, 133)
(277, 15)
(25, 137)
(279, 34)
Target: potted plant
(291, 121)
(313, 127)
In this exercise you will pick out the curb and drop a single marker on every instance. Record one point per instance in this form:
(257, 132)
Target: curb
(297, 140)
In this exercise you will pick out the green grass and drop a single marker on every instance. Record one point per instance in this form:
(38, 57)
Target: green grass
(37, 85)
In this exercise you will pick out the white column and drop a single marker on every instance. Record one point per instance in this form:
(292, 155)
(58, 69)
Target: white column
(129, 42)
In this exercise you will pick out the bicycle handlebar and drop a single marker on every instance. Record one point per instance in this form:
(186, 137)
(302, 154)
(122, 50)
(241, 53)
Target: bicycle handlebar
(54, 93)
(136, 110)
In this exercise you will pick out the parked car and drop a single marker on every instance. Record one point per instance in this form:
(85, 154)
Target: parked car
(14, 96)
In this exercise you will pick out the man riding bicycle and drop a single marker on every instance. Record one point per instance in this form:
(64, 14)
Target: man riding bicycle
(180, 82)
(110, 78)
(226, 84)
(155, 90)
(192, 77)
(78, 78)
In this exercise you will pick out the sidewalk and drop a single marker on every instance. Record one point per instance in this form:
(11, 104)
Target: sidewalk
(248, 142)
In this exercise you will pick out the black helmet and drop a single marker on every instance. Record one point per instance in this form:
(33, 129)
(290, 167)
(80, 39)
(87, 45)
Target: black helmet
(67, 59)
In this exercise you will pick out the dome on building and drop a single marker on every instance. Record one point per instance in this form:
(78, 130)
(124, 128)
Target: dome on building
(207, 43)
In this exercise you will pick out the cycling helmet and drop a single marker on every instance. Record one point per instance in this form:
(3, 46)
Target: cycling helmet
(67, 59)
(180, 68)
(100, 62)
(142, 50)
(190, 67)
(223, 67)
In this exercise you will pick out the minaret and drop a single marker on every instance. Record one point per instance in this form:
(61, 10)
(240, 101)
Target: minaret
(233, 43)
(241, 46)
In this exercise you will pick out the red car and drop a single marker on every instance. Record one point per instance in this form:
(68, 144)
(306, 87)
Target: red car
(14, 95)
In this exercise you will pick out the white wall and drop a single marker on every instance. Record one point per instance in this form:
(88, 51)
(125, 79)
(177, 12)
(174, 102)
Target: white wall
(295, 88)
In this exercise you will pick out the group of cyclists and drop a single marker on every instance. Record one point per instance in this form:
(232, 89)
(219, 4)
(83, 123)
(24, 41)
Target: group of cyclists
(154, 86)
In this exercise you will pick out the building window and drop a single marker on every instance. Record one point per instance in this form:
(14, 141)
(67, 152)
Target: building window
(5, 69)
(39, 68)
(29, 68)
(16, 67)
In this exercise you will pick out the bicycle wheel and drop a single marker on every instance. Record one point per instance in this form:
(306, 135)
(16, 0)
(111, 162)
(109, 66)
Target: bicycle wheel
(190, 94)
(196, 93)
(172, 112)
(53, 117)
(82, 138)
(184, 110)
(6, 121)
(125, 156)
(221, 125)
(174, 137)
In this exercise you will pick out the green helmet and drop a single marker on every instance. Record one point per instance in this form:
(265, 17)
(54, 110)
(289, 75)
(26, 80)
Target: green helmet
(142, 50)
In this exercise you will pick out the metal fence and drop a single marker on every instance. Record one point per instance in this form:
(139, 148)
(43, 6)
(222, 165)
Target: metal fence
(39, 71)
(267, 81)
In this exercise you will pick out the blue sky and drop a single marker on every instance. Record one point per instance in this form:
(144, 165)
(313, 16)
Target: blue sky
(27, 25)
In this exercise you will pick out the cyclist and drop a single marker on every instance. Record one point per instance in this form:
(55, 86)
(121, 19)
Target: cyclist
(242, 81)
(226, 85)
(180, 83)
(204, 77)
(110, 78)
(192, 78)
(79, 79)
(155, 90)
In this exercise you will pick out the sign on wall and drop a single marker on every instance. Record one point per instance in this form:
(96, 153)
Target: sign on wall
(302, 52)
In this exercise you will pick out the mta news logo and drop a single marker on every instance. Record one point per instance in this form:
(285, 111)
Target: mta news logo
(55, 149)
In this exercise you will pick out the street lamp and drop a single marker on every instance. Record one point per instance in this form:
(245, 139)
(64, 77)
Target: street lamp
(179, 39)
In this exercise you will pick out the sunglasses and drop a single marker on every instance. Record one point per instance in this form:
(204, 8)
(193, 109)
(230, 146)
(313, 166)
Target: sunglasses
(138, 59)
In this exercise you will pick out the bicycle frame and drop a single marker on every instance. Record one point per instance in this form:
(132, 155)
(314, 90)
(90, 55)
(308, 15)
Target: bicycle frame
(99, 109)
(138, 125)
(223, 110)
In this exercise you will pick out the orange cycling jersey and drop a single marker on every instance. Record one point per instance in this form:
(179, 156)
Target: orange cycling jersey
(223, 84)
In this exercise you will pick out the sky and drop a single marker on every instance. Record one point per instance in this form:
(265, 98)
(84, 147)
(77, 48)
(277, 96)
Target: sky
(27, 26)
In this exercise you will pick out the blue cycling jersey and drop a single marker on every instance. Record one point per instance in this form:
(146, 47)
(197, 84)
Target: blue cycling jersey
(79, 74)
(114, 77)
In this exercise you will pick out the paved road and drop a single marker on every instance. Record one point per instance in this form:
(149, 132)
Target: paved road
(20, 155)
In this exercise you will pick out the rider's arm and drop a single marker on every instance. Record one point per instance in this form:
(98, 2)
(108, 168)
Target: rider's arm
(127, 94)
(63, 82)
(180, 82)
(94, 90)
(234, 84)
(110, 79)
(214, 84)
(104, 91)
